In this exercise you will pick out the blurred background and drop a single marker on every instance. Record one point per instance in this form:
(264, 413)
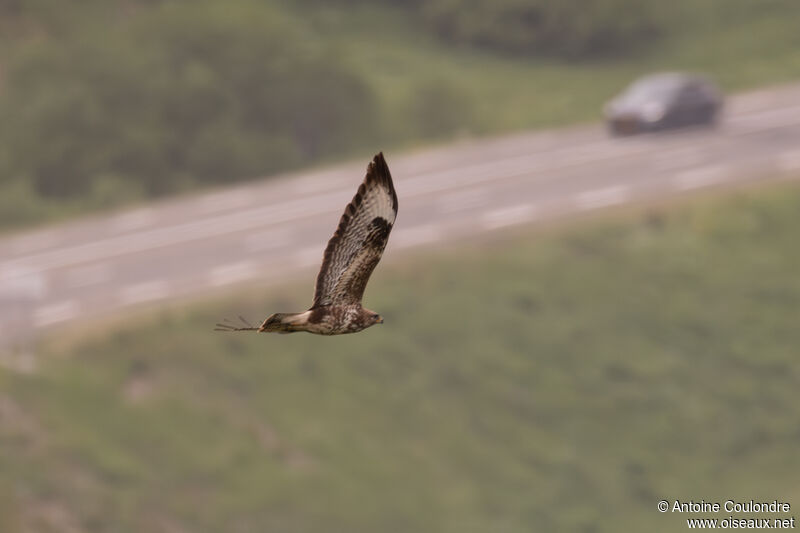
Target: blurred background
(580, 321)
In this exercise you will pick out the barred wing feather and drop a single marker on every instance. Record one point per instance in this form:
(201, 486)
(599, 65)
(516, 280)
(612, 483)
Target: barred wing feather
(358, 243)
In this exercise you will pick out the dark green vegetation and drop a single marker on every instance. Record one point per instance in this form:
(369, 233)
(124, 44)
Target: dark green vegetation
(110, 102)
(568, 28)
(564, 380)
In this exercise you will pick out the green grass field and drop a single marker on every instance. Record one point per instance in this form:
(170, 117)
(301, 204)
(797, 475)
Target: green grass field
(563, 379)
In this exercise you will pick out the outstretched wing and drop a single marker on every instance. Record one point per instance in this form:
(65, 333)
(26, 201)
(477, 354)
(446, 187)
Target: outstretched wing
(358, 243)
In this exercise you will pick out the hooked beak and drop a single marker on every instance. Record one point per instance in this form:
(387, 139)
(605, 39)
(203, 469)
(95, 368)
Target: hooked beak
(380, 320)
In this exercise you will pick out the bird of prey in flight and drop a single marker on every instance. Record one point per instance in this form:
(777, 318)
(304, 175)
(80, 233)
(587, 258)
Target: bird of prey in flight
(351, 256)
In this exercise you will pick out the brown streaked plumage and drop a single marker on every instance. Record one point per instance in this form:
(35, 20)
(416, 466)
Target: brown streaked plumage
(350, 257)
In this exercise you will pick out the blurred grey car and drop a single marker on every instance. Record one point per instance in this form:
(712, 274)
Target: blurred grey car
(662, 101)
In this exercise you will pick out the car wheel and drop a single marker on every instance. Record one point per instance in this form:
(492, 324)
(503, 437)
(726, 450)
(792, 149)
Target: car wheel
(710, 116)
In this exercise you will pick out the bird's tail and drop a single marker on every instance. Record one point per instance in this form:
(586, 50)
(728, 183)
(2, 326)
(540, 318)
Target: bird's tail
(228, 325)
(282, 323)
(279, 322)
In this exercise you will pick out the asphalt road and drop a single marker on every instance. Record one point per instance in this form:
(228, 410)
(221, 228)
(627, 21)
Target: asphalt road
(262, 233)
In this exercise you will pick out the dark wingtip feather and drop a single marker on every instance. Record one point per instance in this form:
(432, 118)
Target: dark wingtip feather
(378, 166)
(378, 170)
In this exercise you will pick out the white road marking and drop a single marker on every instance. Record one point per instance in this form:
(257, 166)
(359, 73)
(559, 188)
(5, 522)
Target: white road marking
(681, 157)
(221, 201)
(789, 161)
(700, 177)
(34, 241)
(598, 151)
(22, 284)
(233, 273)
(133, 220)
(402, 238)
(463, 199)
(56, 312)
(143, 292)
(84, 276)
(764, 120)
(266, 240)
(508, 216)
(616, 194)
(326, 182)
(756, 101)
(309, 256)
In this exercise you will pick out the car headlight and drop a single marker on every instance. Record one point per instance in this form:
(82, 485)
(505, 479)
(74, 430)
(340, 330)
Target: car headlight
(653, 111)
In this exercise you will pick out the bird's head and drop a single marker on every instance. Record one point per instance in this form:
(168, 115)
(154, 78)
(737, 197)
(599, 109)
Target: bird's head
(372, 317)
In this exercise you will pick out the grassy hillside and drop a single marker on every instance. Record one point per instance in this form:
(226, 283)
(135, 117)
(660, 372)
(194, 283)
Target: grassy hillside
(563, 380)
(185, 96)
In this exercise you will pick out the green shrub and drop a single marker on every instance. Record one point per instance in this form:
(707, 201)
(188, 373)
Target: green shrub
(571, 28)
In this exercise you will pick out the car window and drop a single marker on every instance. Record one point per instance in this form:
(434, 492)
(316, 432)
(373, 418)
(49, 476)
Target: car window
(649, 91)
(693, 93)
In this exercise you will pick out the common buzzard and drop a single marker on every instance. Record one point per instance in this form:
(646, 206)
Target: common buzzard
(351, 256)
